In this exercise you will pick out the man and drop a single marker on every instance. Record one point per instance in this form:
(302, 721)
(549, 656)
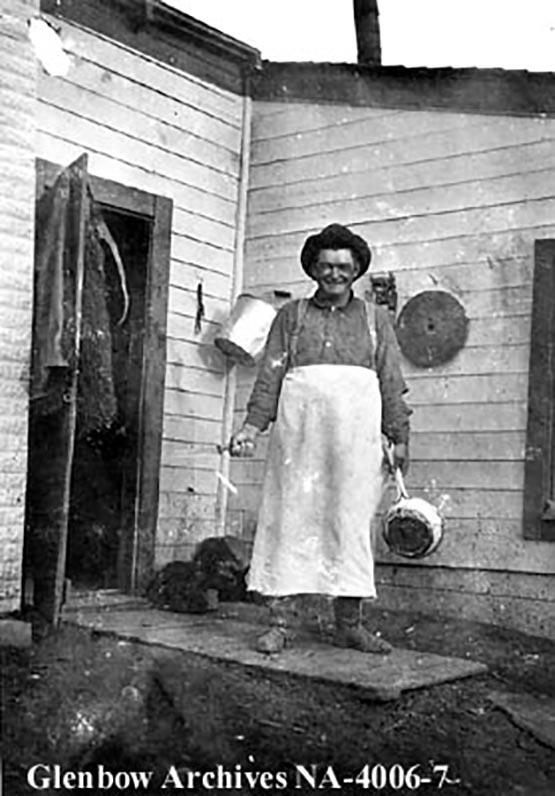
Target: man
(330, 381)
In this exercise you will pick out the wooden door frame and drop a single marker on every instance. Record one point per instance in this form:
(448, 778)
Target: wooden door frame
(539, 500)
(157, 210)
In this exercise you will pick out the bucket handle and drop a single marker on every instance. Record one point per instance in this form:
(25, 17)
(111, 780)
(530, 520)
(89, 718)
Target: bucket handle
(400, 484)
(397, 474)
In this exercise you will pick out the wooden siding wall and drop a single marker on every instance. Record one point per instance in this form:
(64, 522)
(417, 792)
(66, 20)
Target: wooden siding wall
(147, 125)
(17, 216)
(447, 200)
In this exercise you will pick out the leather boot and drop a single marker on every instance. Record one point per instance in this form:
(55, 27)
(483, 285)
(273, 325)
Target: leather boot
(280, 633)
(349, 630)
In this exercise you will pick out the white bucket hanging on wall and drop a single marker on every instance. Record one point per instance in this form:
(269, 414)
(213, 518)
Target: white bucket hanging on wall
(243, 336)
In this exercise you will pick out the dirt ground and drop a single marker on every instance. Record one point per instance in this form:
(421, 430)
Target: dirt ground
(80, 700)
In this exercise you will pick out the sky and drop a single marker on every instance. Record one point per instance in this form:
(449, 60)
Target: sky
(508, 34)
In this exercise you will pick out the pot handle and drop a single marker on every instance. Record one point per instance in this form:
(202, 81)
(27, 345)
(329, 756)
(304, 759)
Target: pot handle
(400, 484)
(397, 474)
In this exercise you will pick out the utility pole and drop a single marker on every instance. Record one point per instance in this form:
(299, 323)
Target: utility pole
(367, 27)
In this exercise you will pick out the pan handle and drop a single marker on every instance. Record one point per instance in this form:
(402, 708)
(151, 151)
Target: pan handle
(398, 475)
(400, 484)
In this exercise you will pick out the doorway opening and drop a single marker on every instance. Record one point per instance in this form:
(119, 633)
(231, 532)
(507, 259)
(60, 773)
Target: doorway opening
(102, 259)
(104, 478)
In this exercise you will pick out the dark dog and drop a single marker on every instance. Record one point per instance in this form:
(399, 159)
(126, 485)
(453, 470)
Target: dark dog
(216, 572)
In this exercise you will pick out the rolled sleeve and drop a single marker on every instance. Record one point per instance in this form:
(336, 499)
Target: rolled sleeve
(263, 402)
(395, 412)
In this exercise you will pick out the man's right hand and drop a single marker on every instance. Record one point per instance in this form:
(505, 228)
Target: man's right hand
(243, 442)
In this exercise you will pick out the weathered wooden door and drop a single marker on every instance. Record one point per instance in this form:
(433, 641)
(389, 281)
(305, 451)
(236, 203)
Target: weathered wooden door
(59, 270)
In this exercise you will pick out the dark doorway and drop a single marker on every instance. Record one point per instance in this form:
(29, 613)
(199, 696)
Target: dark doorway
(104, 480)
(97, 385)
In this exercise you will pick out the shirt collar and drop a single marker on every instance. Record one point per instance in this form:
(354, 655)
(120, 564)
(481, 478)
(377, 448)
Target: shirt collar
(325, 305)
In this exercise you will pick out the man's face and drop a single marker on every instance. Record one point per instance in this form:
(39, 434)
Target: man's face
(335, 271)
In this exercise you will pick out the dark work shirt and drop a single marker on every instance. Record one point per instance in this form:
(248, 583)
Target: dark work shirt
(335, 336)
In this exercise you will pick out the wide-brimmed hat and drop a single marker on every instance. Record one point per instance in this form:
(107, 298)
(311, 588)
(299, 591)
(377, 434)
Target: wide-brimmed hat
(336, 236)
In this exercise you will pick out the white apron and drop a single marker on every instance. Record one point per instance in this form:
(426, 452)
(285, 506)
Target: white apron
(322, 486)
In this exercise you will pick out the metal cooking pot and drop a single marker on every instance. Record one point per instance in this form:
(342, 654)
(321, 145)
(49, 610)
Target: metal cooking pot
(413, 528)
(243, 336)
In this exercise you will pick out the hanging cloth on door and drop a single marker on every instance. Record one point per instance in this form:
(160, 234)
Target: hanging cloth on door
(53, 303)
(53, 357)
(96, 397)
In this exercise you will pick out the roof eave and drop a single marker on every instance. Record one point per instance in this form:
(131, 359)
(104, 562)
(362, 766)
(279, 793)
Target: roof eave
(496, 91)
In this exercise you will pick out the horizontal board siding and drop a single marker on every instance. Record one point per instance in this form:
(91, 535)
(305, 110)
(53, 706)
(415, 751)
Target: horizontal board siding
(187, 275)
(486, 389)
(184, 302)
(209, 256)
(184, 508)
(454, 390)
(116, 59)
(187, 222)
(484, 193)
(447, 201)
(191, 480)
(183, 376)
(440, 226)
(459, 503)
(478, 360)
(471, 544)
(465, 446)
(489, 273)
(149, 126)
(463, 168)
(481, 476)
(467, 247)
(273, 120)
(485, 273)
(188, 430)
(484, 304)
(438, 474)
(191, 134)
(370, 129)
(17, 213)
(200, 356)
(518, 600)
(185, 403)
(469, 503)
(402, 145)
(498, 584)
(105, 138)
(54, 145)
(199, 456)
(476, 446)
(186, 517)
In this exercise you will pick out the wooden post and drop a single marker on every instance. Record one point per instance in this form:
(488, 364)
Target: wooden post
(367, 28)
(79, 210)
(52, 436)
(231, 375)
(151, 404)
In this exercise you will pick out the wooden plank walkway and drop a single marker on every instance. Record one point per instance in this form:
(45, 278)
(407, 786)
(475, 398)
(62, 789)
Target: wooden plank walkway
(229, 635)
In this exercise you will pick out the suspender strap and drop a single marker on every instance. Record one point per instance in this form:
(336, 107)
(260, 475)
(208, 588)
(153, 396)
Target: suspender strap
(302, 306)
(371, 318)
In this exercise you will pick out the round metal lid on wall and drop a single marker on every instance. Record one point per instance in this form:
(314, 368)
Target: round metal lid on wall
(431, 328)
